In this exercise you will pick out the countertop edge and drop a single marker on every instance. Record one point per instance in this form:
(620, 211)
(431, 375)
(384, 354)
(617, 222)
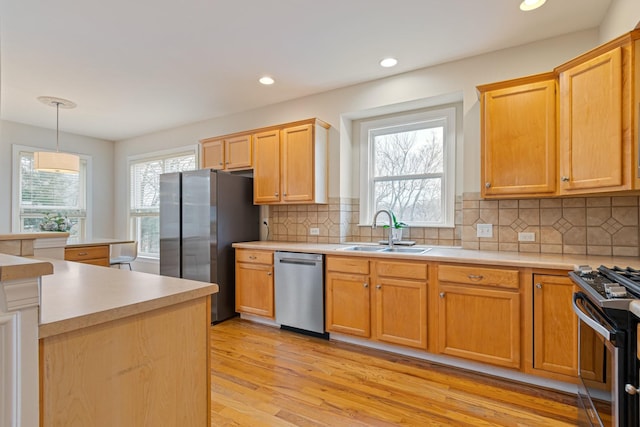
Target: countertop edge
(67, 325)
(454, 255)
(17, 268)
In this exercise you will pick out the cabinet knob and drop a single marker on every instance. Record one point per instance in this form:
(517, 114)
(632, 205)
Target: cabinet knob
(284, 194)
(365, 285)
(487, 185)
(539, 285)
(269, 274)
(564, 179)
(275, 194)
(220, 163)
(631, 389)
(378, 286)
(441, 294)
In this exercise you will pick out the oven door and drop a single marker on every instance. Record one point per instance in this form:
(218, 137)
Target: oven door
(600, 366)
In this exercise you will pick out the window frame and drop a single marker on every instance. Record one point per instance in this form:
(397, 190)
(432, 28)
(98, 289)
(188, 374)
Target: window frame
(16, 181)
(406, 121)
(149, 157)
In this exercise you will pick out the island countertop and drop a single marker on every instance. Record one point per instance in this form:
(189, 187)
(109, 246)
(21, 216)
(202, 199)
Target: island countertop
(80, 295)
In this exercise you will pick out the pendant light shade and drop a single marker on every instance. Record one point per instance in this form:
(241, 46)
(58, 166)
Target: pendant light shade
(49, 161)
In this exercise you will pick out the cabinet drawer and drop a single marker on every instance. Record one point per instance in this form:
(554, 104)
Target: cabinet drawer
(499, 278)
(86, 252)
(253, 256)
(348, 265)
(405, 270)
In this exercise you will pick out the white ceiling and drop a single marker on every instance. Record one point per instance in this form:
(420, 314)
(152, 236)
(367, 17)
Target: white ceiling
(139, 66)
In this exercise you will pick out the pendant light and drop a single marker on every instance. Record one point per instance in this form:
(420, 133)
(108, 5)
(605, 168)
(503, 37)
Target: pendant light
(49, 161)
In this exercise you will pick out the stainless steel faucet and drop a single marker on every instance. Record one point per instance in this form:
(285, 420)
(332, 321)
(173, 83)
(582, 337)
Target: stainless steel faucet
(388, 212)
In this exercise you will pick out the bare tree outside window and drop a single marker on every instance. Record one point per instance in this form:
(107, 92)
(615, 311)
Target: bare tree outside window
(145, 198)
(408, 173)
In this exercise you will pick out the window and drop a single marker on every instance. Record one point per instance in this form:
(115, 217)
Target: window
(144, 210)
(408, 165)
(37, 194)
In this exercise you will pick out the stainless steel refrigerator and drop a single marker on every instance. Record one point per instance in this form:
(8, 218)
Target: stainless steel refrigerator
(201, 214)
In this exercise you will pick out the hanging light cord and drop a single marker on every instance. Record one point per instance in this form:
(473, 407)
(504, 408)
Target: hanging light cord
(57, 126)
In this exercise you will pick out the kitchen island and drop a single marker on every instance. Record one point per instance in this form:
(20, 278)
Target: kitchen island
(123, 348)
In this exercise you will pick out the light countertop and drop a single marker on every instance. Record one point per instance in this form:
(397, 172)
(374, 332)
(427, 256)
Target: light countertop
(80, 295)
(458, 255)
(16, 268)
(36, 235)
(79, 243)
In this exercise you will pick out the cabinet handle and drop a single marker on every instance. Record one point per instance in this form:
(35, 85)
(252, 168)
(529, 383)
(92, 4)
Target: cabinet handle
(365, 285)
(441, 294)
(475, 277)
(82, 254)
(252, 257)
(564, 179)
(487, 185)
(539, 285)
(378, 286)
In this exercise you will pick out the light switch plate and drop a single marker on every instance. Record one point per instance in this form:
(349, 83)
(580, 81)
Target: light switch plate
(484, 230)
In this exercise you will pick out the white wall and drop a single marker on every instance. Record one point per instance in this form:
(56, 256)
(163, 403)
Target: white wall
(337, 106)
(622, 16)
(100, 150)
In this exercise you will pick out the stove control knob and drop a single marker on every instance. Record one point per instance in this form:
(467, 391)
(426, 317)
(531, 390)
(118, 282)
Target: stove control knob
(631, 389)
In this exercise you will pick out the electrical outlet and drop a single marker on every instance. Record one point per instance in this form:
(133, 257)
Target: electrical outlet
(526, 237)
(314, 231)
(484, 230)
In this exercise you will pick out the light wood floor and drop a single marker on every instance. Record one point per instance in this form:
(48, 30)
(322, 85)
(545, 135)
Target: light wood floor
(262, 376)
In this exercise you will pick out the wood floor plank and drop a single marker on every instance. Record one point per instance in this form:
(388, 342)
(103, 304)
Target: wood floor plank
(261, 375)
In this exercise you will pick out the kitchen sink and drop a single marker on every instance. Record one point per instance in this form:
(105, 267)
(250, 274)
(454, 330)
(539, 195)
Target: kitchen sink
(385, 249)
(396, 249)
(364, 248)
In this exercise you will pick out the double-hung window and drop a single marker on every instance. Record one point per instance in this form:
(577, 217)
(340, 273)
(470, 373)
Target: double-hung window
(408, 167)
(144, 211)
(38, 194)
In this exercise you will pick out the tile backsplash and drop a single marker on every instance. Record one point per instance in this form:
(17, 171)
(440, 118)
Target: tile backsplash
(579, 225)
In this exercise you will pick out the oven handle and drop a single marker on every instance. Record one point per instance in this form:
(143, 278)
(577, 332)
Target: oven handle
(590, 321)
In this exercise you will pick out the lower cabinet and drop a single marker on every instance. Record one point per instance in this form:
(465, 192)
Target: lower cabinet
(478, 316)
(254, 282)
(383, 300)
(347, 300)
(555, 325)
(95, 255)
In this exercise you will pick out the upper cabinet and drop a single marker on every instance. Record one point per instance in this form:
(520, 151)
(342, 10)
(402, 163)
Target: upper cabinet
(231, 153)
(518, 137)
(594, 114)
(594, 150)
(291, 164)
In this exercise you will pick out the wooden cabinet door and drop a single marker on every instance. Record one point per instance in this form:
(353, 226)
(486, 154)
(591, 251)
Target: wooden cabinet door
(519, 140)
(213, 154)
(266, 172)
(591, 140)
(238, 152)
(479, 324)
(401, 312)
(347, 307)
(298, 169)
(555, 325)
(254, 289)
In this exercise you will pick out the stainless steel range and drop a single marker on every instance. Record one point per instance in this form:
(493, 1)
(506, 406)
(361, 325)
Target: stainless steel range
(607, 365)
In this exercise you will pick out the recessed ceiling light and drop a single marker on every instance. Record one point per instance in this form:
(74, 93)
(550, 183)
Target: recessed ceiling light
(266, 80)
(527, 5)
(388, 62)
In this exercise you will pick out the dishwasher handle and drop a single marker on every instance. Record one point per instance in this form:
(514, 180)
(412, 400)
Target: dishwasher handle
(298, 261)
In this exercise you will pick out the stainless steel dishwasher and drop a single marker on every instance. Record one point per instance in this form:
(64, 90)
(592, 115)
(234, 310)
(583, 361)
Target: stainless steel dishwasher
(299, 291)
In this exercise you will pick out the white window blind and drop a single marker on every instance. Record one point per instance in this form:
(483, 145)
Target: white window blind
(50, 193)
(145, 196)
